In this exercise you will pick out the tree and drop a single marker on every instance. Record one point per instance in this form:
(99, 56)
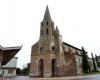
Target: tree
(25, 71)
(93, 60)
(97, 61)
(94, 65)
(85, 63)
(18, 71)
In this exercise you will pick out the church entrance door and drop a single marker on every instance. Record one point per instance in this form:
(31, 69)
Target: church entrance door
(54, 67)
(41, 68)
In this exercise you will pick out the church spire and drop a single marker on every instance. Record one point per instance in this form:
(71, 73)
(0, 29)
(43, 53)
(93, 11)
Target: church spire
(47, 16)
(57, 29)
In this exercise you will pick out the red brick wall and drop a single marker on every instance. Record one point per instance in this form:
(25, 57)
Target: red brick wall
(69, 69)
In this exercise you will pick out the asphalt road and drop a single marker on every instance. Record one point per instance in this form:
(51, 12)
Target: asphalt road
(97, 77)
(90, 77)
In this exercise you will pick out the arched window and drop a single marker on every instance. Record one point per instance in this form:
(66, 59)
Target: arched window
(52, 31)
(53, 48)
(41, 49)
(47, 23)
(42, 23)
(47, 32)
(41, 32)
(41, 68)
(53, 65)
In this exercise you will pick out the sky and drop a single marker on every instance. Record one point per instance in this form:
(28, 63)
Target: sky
(78, 22)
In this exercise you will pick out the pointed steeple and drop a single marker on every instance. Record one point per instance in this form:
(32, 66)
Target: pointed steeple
(47, 16)
(57, 29)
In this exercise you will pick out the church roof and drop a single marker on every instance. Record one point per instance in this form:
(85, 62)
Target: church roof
(72, 46)
(8, 53)
(47, 15)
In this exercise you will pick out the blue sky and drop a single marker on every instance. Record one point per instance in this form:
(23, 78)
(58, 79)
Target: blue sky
(78, 22)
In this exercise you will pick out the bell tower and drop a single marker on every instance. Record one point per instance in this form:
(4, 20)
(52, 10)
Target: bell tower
(46, 40)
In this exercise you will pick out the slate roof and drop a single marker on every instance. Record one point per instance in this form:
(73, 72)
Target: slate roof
(8, 53)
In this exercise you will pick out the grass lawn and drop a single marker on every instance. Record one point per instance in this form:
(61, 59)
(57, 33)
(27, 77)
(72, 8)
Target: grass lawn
(91, 73)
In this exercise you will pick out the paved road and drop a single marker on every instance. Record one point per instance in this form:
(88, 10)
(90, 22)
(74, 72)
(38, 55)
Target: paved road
(97, 77)
(91, 77)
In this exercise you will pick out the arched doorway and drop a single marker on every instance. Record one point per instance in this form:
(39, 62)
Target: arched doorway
(54, 67)
(41, 68)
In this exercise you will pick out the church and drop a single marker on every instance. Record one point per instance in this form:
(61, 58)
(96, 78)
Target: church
(51, 56)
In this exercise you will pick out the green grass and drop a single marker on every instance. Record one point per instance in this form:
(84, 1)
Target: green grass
(91, 73)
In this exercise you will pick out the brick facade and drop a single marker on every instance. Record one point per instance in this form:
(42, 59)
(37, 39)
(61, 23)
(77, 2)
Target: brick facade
(50, 56)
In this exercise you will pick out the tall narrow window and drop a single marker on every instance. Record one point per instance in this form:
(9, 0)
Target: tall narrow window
(53, 48)
(47, 23)
(41, 49)
(52, 31)
(41, 32)
(47, 31)
(42, 23)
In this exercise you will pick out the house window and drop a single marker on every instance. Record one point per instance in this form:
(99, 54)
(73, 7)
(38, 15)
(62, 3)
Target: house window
(41, 49)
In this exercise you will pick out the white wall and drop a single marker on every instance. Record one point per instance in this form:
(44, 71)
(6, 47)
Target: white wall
(12, 64)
